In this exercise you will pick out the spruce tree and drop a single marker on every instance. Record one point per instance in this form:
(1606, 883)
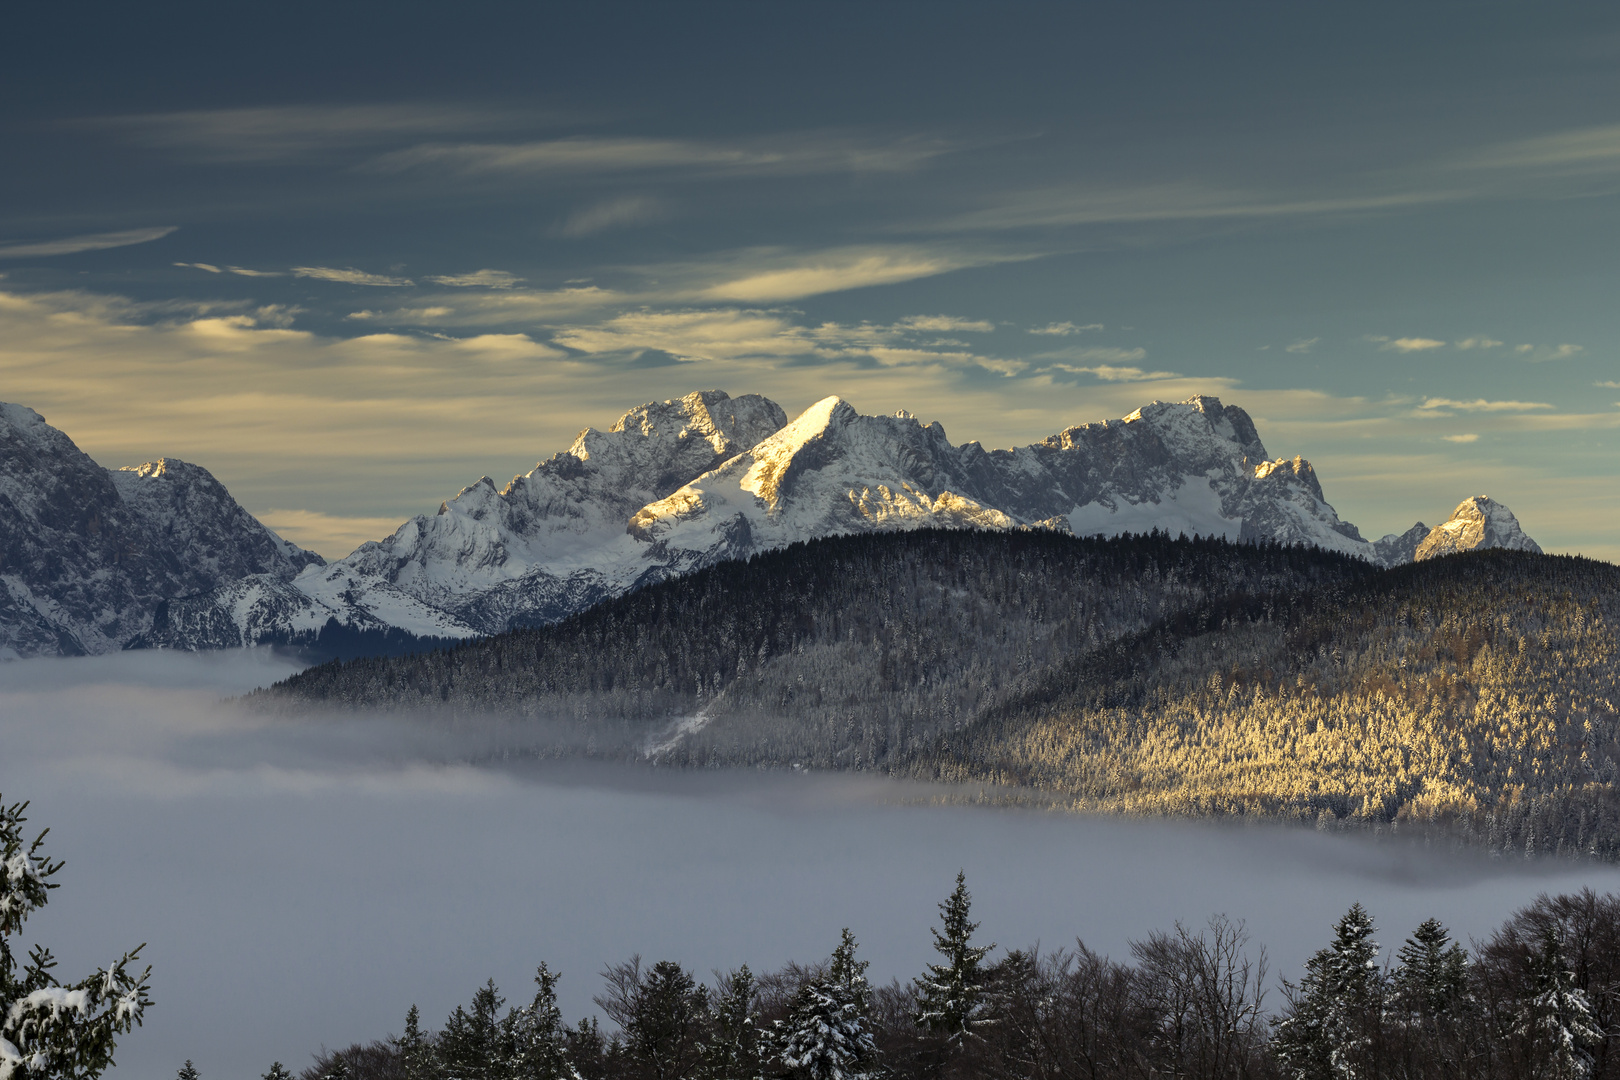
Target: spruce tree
(49, 1028)
(1328, 1034)
(188, 1071)
(951, 996)
(417, 1060)
(1432, 976)
(475, 1044)
(1556, 1018)
(733, 1048)
(278, 1071)
(826, 1035)
(539, 1041)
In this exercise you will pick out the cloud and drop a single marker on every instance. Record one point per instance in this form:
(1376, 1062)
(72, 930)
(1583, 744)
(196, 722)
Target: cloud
(478, 279)
(210, 267)
(1609, 384)
(73, 245)
(1302, 346)
(834, 271)
(350, 276)
(611, 214)
(506, 347)
(1411, 344)
(1578, 148)
(1073, 206)
(1467, 437)
(945, 324)
(585, 155)
(1481, 405)
(1110, 373)
(279, 132)
(1480, 342)
(1064, 329)
(1541, 354)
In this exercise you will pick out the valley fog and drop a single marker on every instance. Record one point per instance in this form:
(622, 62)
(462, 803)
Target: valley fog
(301, 884)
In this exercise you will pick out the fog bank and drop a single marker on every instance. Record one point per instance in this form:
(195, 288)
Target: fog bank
(303, 883)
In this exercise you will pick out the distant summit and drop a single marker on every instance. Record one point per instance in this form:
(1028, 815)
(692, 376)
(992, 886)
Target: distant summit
(1479, 522)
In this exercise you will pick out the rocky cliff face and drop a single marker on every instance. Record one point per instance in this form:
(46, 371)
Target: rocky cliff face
(87, 554)
(1479, 522)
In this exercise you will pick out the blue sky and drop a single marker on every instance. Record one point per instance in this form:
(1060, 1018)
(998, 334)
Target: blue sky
(352, 260)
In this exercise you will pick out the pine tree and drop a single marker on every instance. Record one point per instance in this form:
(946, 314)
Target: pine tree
(733, 1049)
(1432, 976)
(337, 1069)
(278, 1071)
(1556, 1019)
(1327, 1035)
(46, 1027)
(951, 996)
(540, 1037)
(826, 1034)
(188, 1071)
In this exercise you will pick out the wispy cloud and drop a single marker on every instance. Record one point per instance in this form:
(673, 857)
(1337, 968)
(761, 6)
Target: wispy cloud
(478, 279)
(1064, 329)
(1541, 354)
(834, 271)
(1479, 342)
(1608, 384)
(1436, 404)
(945, 324)
(611, 214)
(350, 276)
(1302, 346)
(1112, 373)
(279, 132)
(1411, 344)
(784, 155)
(1465, 437)
(73, 245)
(1585, 148)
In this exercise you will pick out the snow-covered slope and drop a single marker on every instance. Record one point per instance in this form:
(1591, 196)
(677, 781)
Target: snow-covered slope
(1478, 522)
(88, 555)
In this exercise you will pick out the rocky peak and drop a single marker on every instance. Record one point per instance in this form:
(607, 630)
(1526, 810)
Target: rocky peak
(1397, 549)
(1478, 522)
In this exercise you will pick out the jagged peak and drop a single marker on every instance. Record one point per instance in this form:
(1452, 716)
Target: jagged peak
(1296, 468)
(1478, 522)
(165, 468)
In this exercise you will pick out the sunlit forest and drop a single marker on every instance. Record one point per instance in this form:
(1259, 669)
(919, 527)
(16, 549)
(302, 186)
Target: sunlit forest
(1470, 697)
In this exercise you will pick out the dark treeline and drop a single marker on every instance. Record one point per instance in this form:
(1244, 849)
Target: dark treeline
(1539, 998)
(1474, 696)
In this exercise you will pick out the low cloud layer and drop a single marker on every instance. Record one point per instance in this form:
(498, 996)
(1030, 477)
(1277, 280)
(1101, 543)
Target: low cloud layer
(303, 883)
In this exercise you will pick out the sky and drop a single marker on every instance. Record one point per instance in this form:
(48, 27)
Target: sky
(352, 258)
(302, 884)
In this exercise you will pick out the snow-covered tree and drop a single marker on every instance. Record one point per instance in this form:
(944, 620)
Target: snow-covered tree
(48, 1028)
(188, 1071)
(474, 1044)
(539, 1037)
(661, 1014)
(1432, 973)
(951, 996)
(827, 1035)
(338, 1069)
(278, 1071)
(1556, 1019)
(1328, 1033)
(417, 1059)
(733, 1048)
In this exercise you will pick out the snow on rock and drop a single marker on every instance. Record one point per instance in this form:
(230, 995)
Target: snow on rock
(87, 554)
(672, 486)
(1478, 522)
(1397, 549)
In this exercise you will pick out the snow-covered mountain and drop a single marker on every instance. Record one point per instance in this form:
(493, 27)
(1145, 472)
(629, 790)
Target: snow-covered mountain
(677, 485)
(671, 487)
(89, 555)
(1479, 522)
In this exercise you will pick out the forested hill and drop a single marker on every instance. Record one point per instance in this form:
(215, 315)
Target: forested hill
(1475, 692)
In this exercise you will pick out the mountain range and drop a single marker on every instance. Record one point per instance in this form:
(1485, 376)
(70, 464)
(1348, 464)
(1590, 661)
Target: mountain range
(160, 555)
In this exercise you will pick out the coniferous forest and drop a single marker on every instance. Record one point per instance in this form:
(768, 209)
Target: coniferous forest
(1538, 998)
(1471, 697)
